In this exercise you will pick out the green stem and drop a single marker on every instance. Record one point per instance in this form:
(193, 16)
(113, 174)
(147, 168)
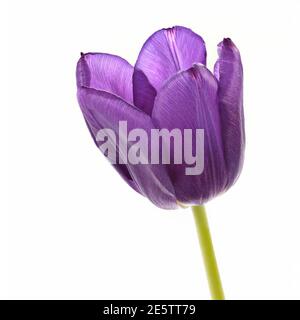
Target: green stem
(210, 262)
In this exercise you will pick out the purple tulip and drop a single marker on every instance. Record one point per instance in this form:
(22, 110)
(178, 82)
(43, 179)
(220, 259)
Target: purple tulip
(170, 87)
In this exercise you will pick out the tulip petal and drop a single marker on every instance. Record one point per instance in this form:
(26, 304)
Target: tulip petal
(106, 72)
(229, 72)
(143, 92)
(121, 168)
(189, 101)
(165, 53)
(104, 110)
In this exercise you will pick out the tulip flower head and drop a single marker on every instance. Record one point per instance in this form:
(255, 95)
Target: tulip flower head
(169, 100)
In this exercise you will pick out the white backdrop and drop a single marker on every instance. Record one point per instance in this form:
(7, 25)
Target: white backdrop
(74, 229)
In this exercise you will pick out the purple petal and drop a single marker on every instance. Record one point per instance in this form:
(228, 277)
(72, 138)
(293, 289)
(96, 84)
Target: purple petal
(229, 72)
(165, 53)
(121, 168)
(189, 101)
(143, 93)
(104, 110)
(105, 72)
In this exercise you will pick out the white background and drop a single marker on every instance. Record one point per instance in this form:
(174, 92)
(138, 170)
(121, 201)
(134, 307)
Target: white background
(74, 229)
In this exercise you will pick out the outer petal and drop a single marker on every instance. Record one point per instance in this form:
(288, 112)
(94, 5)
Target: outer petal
(229, 72)
(165, 53)
(105, 72)
(104, 110)
(189, 101)
(111, 73)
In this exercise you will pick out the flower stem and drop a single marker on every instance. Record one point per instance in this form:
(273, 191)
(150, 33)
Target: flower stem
(209, 258)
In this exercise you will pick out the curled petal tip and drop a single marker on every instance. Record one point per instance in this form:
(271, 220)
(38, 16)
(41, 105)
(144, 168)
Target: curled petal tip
(81, 54)
(227, 43)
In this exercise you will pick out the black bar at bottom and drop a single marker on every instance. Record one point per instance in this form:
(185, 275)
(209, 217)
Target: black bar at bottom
(144, 309)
